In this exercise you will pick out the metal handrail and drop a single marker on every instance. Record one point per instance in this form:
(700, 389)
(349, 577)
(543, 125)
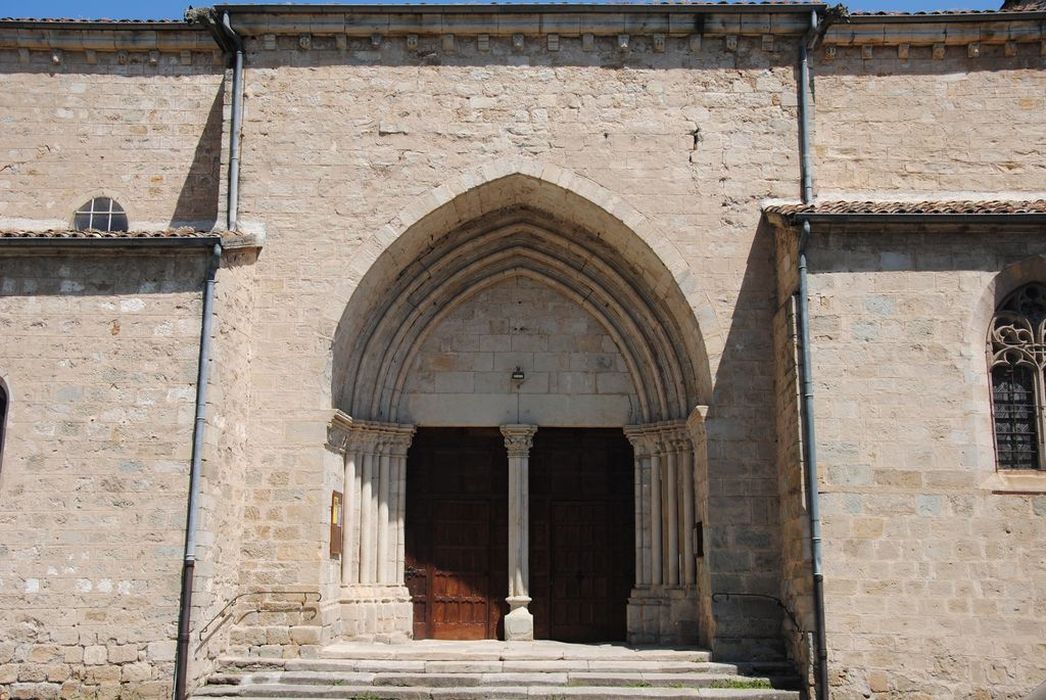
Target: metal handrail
(226, 616)
(780, 604)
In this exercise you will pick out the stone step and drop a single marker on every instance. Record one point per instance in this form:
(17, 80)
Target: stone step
(491, 650)
(366, 692)
(444, 680)
(499, 671)
(256, 664)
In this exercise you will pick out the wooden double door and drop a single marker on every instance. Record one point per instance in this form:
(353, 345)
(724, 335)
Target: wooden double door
(581, 533)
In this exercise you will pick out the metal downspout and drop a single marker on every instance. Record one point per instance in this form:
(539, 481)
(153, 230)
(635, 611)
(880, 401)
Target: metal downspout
(813, 507)
(200, 425)
(232, 209)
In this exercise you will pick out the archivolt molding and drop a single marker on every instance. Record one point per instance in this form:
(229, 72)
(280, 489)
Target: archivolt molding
(456, 210)
(499, 223)
(639, 368)
(516, 251)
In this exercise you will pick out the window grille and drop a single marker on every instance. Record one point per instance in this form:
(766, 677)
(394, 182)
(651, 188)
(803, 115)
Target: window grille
(100, 214)
(1017, 351)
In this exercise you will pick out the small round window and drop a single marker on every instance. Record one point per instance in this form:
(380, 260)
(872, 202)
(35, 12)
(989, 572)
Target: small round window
(101, 214)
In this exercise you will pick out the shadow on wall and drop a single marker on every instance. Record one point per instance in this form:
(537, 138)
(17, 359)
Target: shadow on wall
(916, 248)
(744, 552)
(114, 275)
(197, 204)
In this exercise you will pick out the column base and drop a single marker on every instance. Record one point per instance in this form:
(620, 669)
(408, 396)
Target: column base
(664, 615)
(376, 612)
(519, 623)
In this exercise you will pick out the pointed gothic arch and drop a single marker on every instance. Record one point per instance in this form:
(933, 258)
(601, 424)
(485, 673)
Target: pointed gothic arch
(531, 221)
(512, 222)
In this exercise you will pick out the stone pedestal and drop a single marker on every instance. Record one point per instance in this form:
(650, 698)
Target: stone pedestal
(379, 613)
(519, 623)
(664, 615)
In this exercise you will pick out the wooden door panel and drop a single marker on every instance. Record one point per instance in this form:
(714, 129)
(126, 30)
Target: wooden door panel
(582, 530)
(457, 532)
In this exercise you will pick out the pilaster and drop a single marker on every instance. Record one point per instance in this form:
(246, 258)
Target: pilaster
(374, 600)
(663, 607)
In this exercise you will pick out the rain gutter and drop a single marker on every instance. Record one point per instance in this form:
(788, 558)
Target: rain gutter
(813, 507)
(181, 666)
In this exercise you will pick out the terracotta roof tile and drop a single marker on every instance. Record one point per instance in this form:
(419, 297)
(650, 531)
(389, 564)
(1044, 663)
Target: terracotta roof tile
(1037, 206)
(1032, 6)
(108, 235)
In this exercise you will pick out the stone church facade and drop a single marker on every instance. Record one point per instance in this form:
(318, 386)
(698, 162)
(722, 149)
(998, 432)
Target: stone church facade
(484, 322)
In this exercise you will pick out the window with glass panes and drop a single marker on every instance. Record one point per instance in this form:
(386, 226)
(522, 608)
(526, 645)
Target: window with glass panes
(100, 214)
(1017, 352)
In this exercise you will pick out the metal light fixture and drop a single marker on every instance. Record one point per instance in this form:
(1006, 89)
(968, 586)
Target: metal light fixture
(518, 375)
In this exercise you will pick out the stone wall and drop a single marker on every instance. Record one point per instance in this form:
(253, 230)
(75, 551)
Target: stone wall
(100, 359)
(462, 373)
(690, 141)
(345, 143)
(932, 126)
(120, 126)
(796, 574)
(933, 560)
(217, 600)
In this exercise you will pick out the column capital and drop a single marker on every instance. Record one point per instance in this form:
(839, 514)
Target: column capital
(696, 424)
(642, 437)
(658, 438)
(518, 439)
(345, 433)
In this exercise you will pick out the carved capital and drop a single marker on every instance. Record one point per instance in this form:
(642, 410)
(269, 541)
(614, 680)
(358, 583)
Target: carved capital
(643, 439)
(659, 438)
(345, 434)
(338, 432)
(518, 439)
(675, 437)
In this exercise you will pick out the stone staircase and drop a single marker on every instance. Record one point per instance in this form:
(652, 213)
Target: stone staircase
(426, 670)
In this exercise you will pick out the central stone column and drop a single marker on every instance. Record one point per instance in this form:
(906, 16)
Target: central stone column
(519, 623)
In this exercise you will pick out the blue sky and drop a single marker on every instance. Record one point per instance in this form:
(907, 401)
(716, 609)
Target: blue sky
(173, 9)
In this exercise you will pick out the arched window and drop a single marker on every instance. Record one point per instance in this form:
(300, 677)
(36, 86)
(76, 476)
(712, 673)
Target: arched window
(100, 214)
(1017, 352)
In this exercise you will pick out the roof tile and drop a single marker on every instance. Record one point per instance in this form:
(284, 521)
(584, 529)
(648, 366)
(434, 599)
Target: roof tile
(92, 234)
(1037, 206)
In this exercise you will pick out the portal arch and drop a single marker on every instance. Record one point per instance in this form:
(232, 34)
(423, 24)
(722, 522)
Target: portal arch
(522, 223)
(634, 307)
